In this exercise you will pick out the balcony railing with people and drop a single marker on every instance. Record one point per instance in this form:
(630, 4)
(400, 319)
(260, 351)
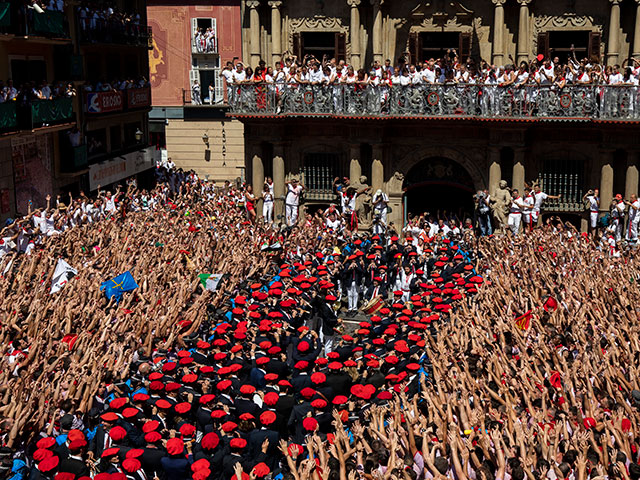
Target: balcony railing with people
(587, 102)
(27, 20)
(35, 114)
(116, 30)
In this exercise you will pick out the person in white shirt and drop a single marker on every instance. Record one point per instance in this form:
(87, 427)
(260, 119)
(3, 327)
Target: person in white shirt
(292, 201)
(593, 197)
(529, 201)
(618, 207)
(515, 212)
(539, 197)
(267, 201)
(634, 218)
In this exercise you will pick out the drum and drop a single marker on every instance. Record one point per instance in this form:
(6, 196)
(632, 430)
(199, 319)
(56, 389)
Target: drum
(373, 305)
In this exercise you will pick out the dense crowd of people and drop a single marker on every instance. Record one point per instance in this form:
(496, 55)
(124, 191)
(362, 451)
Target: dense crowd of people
(98, 18)
(117, 84)
(229, 356)
(448, 69)
(30, 91)
(447, 85)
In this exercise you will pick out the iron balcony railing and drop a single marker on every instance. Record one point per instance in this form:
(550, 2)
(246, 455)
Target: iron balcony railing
(113, 30)
(438, 100)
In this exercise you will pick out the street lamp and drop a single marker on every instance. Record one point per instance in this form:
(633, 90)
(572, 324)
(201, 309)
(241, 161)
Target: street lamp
(138, 135)
(205, 139)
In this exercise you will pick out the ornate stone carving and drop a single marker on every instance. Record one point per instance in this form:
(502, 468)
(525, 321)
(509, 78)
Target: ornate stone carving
(524, 2)
(498, 2)
(252, 3)
(569, 21)
(275, 3)
(353, 3)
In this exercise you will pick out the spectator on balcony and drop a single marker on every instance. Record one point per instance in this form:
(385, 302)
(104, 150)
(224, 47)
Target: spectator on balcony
(10, 92)
(196, 94)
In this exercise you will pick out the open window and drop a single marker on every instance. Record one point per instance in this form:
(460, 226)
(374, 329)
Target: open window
(207, 41)
(426, 45)
(561, 44)
(320, 44)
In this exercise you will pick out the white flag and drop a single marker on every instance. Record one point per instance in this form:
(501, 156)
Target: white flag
(212, 282)
(63, 273)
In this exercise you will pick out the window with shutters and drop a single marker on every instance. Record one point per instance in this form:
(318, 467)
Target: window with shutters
(563, 42)
(320, 169)
(204, 37)
(564, 177)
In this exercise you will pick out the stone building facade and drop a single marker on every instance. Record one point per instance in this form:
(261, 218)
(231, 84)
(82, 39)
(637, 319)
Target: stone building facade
(436, 158)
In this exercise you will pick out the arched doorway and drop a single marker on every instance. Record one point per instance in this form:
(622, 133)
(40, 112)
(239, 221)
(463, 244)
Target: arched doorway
(439, 186)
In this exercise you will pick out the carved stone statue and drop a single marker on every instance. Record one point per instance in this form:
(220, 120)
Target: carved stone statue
(501, 203)
(363, 201)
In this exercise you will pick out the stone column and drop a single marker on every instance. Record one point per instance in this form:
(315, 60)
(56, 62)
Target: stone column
(518, 170)
(523, 32)
(355, 168)
(276, 32)
(354, 33)
(495, 170)
(377, 167)
(278, 182)
(257, 178)
(377, 30)
(254, 39)
(631, 180)
(613, 42)
(498, 33)
(636, 32)
(606, 180)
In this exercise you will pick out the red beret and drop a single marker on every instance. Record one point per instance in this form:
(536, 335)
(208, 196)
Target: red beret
(134, 453)
(77, 445)
(152, 437)
(48, 464)
(310, 424)
(46, 442)
(175, 446)
(210, 441)
(110, 452)
(130, 412)
(131, 465)
(202, 464)
(268, 417)
(150, 426)
(318, 378)
(238, 443)
(187, 430)
(247, 389)
(117, 403)
(41, 454)
(183, 407)
(229, 426)
(162, 403)
(271, 398)
(261, 470)
(109, 417)
(117, 433)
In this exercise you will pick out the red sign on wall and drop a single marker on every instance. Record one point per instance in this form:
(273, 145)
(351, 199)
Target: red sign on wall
(139, 97)
(104, 102)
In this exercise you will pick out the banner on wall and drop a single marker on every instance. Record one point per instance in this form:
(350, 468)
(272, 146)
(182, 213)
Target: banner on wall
(139, 97)
(104, 102)
(111, 171)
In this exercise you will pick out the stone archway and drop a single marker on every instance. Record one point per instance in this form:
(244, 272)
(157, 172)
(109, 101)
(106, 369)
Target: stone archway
(438, 186)
(396, 182)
